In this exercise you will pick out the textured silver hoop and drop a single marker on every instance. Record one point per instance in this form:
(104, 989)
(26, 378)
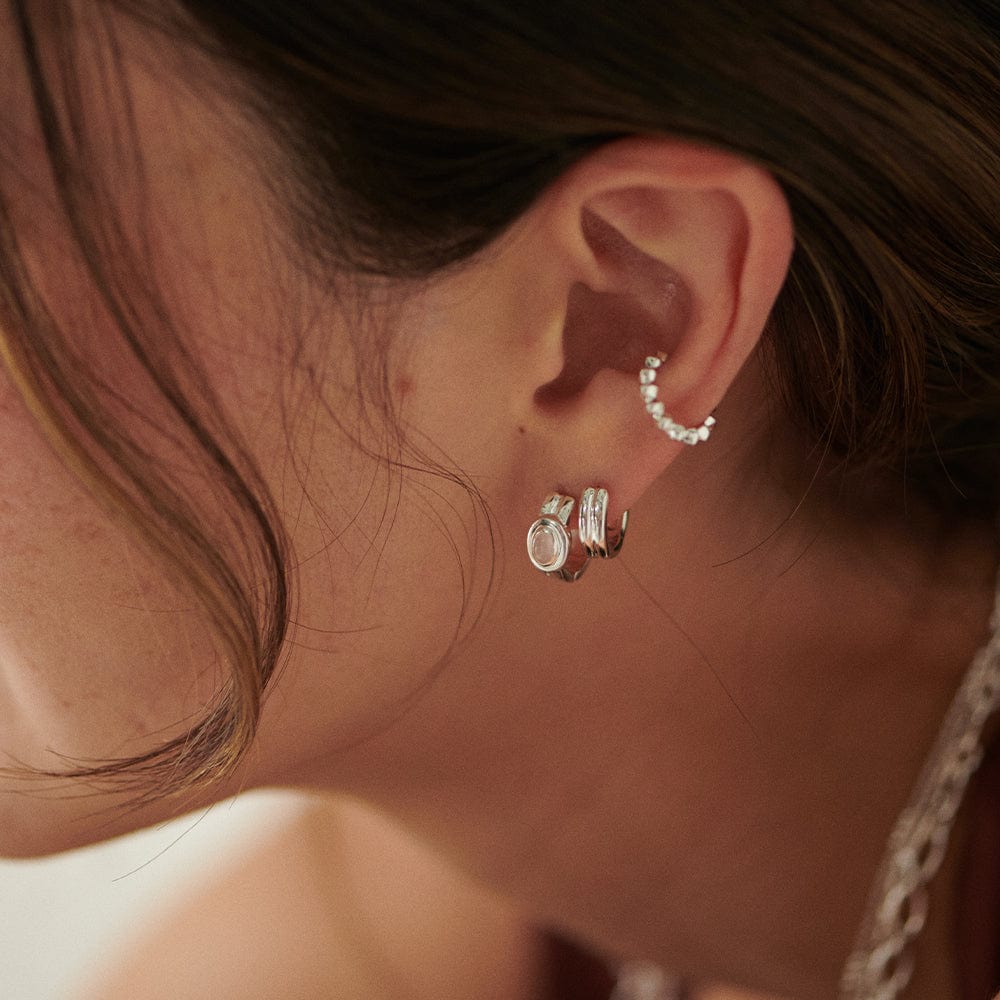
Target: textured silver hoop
(550, 540)
(594, 525)
(649, 390)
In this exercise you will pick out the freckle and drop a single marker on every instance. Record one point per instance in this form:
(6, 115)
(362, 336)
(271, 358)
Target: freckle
(520, 429)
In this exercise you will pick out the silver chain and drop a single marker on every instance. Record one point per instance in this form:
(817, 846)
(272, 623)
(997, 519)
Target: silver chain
(882, 961)
(881, 964)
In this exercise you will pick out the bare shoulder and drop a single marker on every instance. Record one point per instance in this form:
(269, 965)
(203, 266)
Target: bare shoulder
(337, 903)
(258, 927)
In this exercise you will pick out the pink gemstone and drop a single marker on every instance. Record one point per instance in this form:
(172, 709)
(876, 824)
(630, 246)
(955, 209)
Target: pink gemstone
(543, 545)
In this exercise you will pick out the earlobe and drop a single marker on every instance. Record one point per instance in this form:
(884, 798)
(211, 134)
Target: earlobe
(677, 252)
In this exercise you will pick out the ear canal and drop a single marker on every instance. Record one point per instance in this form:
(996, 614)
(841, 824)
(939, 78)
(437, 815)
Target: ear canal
(643, 306)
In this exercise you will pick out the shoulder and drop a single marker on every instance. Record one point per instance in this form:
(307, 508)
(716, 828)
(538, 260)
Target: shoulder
(260, 927)
(338, 902)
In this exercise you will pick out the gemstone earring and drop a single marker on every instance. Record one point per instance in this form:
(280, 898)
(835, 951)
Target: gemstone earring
(550, 540)
(649, 390)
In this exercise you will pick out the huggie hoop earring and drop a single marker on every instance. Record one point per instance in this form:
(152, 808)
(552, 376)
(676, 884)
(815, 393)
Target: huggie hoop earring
(594, 525)
(550, 540)
(649, 390)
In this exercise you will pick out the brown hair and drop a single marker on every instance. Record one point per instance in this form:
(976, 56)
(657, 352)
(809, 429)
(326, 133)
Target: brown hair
(412, 133)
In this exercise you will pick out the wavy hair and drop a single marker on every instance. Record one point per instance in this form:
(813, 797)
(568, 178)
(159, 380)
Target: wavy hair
(411, 133)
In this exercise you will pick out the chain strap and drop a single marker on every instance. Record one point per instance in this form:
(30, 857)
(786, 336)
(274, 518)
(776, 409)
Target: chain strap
(881, 964)
(882, 961)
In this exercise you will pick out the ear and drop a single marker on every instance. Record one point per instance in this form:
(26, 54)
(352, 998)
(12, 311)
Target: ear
(652, 245)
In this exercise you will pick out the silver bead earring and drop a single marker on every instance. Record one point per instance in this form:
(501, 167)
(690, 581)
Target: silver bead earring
(649, 391)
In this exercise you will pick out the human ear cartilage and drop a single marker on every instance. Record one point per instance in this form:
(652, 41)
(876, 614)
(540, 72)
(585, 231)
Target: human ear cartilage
(649, 391)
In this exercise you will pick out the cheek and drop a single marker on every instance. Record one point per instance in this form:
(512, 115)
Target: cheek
(97, 651)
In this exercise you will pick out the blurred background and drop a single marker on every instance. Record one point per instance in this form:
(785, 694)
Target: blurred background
(61, 917)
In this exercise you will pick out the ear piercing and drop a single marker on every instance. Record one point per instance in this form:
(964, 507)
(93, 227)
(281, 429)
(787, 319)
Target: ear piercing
(594, 525)
(649, 390)
(551, 540)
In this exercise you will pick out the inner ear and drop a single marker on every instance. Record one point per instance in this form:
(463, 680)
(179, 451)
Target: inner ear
(642, 308)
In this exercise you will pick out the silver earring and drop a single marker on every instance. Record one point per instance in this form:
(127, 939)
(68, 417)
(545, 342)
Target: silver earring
(594, 525)
(649, 390)
(550, 540)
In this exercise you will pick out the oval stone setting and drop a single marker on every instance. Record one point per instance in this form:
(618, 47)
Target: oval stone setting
(544, 546)
(548, 545)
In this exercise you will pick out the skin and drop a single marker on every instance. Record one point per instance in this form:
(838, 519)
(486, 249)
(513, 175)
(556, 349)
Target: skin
(694, 754)
(361, 925)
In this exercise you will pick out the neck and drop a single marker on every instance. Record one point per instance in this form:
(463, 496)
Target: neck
(697, 757)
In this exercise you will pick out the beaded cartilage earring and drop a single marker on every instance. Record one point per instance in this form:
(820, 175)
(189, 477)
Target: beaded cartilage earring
(649, 391)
